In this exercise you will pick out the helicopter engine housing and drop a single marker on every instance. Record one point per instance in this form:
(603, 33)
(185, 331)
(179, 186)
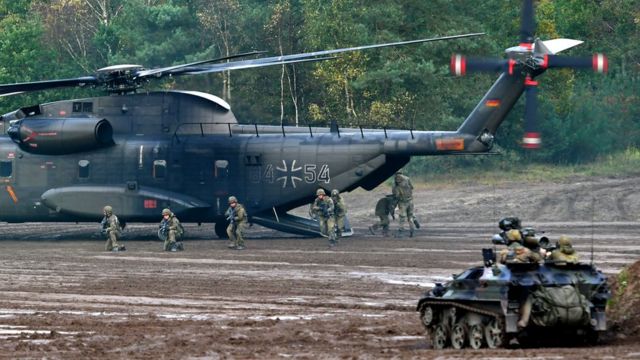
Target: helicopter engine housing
(61, 136)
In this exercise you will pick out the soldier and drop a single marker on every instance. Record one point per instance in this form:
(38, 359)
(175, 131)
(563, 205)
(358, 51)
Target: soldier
(385, 207)
(322, 209)
(532, 243)
(172, 231)
(111, 228)
(565, 251)
(403, 193)
(237, 216)
(515, 252)
(339, 211)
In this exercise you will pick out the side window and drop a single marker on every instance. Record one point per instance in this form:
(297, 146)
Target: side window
(83, 169)
(159, 169)
(221, 170)
(6, 168)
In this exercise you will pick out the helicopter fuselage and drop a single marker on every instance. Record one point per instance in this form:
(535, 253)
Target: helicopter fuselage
(185, 151)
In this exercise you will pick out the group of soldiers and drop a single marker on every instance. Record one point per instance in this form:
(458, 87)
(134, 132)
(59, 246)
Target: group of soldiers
(401, 198)
(526, 249)
(330, 211)
(171, 230)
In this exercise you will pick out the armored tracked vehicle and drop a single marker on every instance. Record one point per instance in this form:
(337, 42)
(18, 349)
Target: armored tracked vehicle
(484, 305)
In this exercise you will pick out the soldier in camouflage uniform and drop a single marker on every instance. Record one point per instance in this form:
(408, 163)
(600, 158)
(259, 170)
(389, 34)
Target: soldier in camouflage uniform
(174, 231)
(322, 209)
(515, 251)
(237, 216)
(385, 208)
(565, 251)
(403, 193)
(111, 228)
(339, 211)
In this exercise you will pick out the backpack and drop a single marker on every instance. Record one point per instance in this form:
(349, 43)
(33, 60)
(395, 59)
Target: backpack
(559, 306)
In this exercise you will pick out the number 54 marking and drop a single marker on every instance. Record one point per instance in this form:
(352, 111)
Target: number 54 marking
(312, 174)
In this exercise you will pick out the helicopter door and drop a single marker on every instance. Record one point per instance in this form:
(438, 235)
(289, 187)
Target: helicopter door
(253, 169)
(221, 184)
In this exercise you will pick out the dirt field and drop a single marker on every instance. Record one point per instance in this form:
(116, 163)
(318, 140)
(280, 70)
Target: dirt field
(61, 296)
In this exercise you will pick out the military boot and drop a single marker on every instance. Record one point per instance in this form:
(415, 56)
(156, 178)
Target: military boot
(399, 233)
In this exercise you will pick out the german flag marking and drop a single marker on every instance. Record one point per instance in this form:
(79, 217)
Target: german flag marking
(450, 144)
(492, 103)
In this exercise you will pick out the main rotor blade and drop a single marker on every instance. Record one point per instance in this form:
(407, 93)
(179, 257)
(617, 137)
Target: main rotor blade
(13, 89)
(528, 23)
(531, 138)
(275, 60)
(246, 65)
(159, 72)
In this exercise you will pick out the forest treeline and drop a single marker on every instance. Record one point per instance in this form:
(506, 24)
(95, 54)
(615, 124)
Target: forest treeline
(583, 115)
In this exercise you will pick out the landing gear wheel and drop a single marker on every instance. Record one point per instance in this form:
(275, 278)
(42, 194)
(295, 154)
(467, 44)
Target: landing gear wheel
(427, 316)
(494, 334)
(221, 229)
(458, 336)
(439, 337)
(476, 336)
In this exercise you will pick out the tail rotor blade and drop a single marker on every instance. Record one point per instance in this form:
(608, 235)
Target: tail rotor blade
(460, 65)
(528, 23)
(531, 138)
(598, 62)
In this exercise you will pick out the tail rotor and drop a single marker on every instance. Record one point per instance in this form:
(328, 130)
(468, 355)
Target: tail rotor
(529, 59)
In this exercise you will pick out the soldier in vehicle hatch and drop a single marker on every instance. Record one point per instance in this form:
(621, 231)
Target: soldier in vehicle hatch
(111, 228)
(171, 231)
(403, 193)
(385, 208)
(339, 211)
(322, 209)
(237, 217)
(565, 251)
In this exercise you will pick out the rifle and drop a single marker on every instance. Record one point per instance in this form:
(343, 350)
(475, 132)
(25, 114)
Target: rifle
(231, 217)
(104, 225)
(324, 209)
(163, 229)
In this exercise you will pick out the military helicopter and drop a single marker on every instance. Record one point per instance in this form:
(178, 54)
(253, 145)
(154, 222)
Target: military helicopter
(144, 151)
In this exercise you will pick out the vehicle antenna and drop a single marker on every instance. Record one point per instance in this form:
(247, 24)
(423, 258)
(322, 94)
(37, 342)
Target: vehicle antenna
(593, 212)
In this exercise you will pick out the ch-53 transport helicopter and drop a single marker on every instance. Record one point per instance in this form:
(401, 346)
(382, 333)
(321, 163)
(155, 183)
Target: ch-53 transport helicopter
(144, 151)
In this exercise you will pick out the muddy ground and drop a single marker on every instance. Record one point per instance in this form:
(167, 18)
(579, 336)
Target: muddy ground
(61, 296)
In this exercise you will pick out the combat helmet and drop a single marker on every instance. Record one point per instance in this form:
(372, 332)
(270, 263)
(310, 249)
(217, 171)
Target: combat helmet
(320, 192)
(108, 210)
(564, 241)
(166, 212)
(514, 235)
(232, 199)
(335, 192)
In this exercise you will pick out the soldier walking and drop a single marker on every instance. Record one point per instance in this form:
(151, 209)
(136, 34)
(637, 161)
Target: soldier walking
(322, 209)
(385, 208)
(111, 228)
(171, 230)
(237, 216)
(339, 211)
(403, 193)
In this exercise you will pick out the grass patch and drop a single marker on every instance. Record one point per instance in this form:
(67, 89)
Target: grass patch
(457, 170)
